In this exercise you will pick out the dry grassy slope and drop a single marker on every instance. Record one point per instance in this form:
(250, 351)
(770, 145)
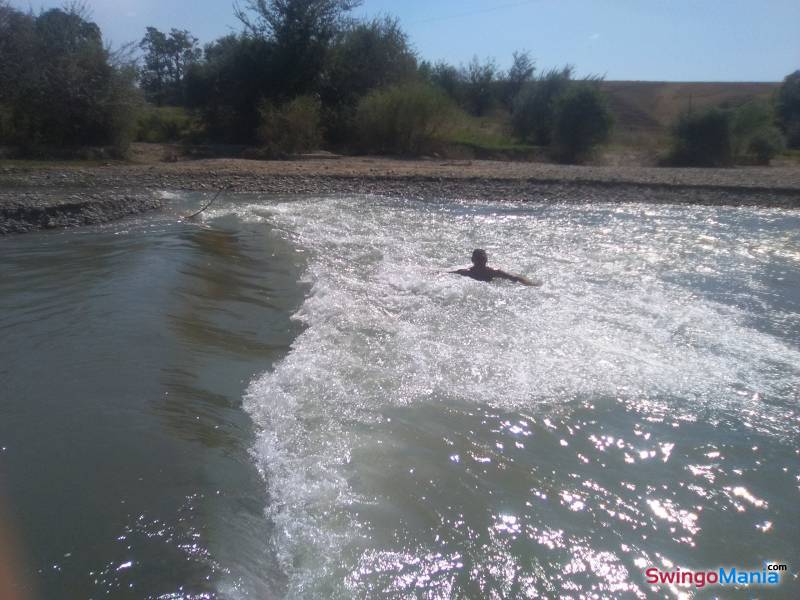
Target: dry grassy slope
(647, 108)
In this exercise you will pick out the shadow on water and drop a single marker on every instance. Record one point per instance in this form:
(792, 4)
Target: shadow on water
(126, 351)
(228, 316)
(225, 319)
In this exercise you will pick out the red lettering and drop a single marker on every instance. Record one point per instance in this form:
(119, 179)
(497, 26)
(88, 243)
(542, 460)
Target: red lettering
(652, 575)
(668, 577)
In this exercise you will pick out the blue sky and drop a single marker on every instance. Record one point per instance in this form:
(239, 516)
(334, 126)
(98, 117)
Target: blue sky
(672, 40)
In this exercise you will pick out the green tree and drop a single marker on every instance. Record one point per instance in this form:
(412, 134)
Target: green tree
(167, 59)
(518, 76)
(290, 128)
(364, 56)
(404, 119)
(228, 86)
(367, 55)
(448, 78)
(59, 85)
(747, 120)
(765, 145)
(301, 31)
(753, 133)
(703, 139)
(788, 106)
(533, 113)
(18, 46)
(479, 85)
(582, 121)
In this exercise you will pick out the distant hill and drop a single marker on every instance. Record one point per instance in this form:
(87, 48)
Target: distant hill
(645, 109)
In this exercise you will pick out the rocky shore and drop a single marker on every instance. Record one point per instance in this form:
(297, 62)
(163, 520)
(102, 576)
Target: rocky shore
(53, 196)
(21, 212)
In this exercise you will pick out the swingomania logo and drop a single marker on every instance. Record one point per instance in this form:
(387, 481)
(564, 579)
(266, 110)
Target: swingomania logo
(768, 575)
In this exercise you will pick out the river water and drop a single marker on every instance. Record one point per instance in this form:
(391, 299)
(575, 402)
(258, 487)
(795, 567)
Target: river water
(292, 398)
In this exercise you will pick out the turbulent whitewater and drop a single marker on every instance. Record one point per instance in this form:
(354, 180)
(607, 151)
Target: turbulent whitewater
(433, 436)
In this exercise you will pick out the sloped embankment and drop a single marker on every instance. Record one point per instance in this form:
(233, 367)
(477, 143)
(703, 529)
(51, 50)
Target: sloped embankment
(22, 211)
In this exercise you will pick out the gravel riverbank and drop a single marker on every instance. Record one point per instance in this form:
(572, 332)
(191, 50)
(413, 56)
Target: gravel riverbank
(23, 211)
(53, 196)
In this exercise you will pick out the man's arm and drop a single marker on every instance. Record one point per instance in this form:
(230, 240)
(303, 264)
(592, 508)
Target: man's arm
(514, 278)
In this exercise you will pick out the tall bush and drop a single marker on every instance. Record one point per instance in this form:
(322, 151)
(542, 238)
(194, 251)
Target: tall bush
(703, 139)
(582, 120)
(755, 137)
(363, 56)
(58, 85)
(533, 113)
(719, 137)
(519, 75)
(300, 32)
(788, 105)
(480, 88)
(403, 119)
(166, 61)
(158, 124)
(123, 105)
(290, 128)
(448, 78)
(229, 84)
(765, 144)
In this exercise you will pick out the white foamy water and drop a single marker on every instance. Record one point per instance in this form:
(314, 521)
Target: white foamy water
(433, 436)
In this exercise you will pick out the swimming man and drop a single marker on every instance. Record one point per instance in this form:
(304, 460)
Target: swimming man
(481, 272)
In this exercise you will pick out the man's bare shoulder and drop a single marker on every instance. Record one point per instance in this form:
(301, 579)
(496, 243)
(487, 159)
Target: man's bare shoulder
(499, 273)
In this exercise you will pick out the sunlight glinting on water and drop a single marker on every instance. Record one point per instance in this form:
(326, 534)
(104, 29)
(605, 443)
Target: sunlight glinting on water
(432, 434)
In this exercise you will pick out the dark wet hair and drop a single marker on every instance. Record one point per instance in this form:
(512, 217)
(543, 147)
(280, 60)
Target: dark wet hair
(479, 255)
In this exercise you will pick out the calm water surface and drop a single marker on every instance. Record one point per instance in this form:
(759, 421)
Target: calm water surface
(292, 399)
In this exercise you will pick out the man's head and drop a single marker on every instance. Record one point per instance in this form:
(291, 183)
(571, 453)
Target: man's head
(479, 258)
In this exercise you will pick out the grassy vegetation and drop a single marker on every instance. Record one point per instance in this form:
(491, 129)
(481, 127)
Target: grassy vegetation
(792, 155)
(410, 119)
(491, 133)
(643, 114)
(644, 111)
(290, 128)
(160, 124)
(304, 74)
(488, 143)
(61, 90)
